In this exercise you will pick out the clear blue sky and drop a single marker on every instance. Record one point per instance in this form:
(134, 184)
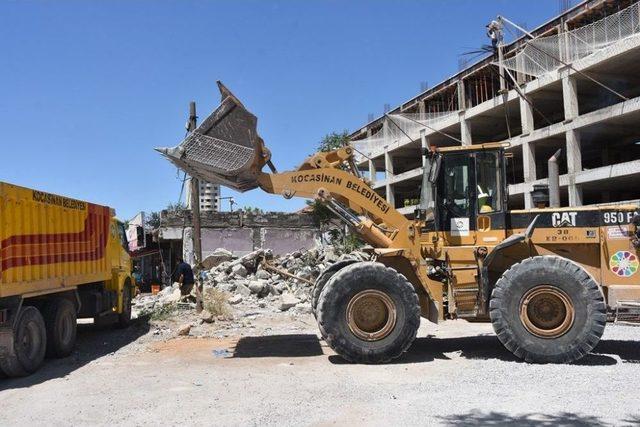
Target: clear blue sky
(88, 88)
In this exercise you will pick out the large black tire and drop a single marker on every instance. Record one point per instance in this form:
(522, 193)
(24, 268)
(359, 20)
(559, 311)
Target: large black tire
(61, 321)
(548, 330)
(345, 287)
(30, 344)
(322, 280)
(124, 318)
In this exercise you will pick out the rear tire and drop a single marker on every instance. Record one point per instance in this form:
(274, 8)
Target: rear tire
(30, 344)
(370, 313)
(61, 323)
(324, 278)
(547, 309)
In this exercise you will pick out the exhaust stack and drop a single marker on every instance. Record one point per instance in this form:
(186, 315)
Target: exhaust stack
(554, 180)
(225, 149)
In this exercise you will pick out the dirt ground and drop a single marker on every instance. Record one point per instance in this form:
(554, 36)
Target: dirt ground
(273, 370)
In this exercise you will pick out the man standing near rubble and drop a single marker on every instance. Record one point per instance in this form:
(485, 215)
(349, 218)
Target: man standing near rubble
(185, 277)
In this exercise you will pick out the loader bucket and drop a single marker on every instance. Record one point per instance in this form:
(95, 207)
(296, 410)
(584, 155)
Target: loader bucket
(225, 149)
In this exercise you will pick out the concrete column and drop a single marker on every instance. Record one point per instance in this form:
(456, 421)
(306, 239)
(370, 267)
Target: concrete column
(574, 154)
(520, 77)
(422, 108)
(462, 101)
(570, 98)
(388, 164)
(424, 143)
(390, 196)
(465, 130)
(372, 171)
(575, 194)
(529, 167)
(526, 117)
(574, 165)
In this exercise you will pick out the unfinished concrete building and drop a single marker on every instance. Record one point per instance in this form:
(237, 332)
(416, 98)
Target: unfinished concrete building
(580, 77)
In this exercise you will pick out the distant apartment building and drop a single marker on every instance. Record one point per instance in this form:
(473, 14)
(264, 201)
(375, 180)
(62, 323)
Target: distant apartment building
(209, 196)
(575, 86)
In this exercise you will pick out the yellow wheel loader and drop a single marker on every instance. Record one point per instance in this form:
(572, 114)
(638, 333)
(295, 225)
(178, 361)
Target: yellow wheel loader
(548, 279)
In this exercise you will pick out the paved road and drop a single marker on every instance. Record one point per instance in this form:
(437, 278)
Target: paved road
(455, 374)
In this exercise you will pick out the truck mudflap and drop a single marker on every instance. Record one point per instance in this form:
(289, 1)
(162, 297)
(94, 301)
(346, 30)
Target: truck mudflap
(9, 309)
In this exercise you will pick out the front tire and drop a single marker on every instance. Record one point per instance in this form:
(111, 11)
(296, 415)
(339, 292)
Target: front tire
(369, 313)
(324, 278)
(29, 346)
(547, 309)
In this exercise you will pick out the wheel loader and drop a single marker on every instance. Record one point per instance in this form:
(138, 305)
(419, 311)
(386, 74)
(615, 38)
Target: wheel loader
(548, 279)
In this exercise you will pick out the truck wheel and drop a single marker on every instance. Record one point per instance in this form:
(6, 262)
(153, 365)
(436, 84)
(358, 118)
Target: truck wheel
(124, 318)
(323, 278)
(369, 312)
(547, 309)
(61, 322)
(29, 344)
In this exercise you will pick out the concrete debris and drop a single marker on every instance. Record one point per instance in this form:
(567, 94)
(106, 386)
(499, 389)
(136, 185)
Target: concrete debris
(207, 317)
(236, 299)
(239, 270)
(184, 329)
(253, 287)
(288, 301)
(216, 258)
(241, 289)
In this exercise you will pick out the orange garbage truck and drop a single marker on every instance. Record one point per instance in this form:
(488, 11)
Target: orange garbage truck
(60, 259)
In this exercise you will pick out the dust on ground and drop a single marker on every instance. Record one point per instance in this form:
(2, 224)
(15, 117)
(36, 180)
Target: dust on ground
(274, 370)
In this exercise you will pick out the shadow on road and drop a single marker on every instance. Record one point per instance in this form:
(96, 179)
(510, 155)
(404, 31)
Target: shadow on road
(300, 345)
(426, 349)
(527, 420)
(488, 347)
(93, 343)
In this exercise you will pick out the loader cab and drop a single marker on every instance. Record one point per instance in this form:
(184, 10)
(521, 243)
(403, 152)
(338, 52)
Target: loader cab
(469, 191)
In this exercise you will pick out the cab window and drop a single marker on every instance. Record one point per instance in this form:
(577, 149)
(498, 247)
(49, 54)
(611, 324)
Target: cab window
(455, 194)
(489, 191)
(123, 236)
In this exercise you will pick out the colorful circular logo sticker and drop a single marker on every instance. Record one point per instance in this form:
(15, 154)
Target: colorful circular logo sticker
(624, 263)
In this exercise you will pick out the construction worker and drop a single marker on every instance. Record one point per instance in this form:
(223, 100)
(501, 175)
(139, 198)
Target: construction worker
(185, 277)
(494, 33)
(484, 201)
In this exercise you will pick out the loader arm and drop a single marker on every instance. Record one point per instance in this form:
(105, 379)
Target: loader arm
(378, 222)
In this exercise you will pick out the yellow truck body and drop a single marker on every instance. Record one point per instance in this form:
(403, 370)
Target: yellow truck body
(54, 247)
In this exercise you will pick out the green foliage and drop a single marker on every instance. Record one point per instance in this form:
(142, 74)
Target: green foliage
(174, 207)
(252, 210)
(153, 220)
(344, 243)
(333, 141)
(320, 212)
(164, 312)
(350, 243)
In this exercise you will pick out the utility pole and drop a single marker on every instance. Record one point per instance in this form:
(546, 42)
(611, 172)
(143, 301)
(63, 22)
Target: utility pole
(195, 216)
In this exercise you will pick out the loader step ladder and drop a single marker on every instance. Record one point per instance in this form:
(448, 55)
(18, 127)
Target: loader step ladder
(627, 312)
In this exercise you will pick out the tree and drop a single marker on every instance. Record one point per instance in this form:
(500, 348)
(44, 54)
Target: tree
(333, 141)
(153, 220)
(174, 207)
(252, 210)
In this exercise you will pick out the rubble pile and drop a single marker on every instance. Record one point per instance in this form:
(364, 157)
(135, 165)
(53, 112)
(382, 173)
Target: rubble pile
(259, 279)
(254, 281)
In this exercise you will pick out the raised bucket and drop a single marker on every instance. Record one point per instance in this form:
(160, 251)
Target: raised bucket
(225, 149)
